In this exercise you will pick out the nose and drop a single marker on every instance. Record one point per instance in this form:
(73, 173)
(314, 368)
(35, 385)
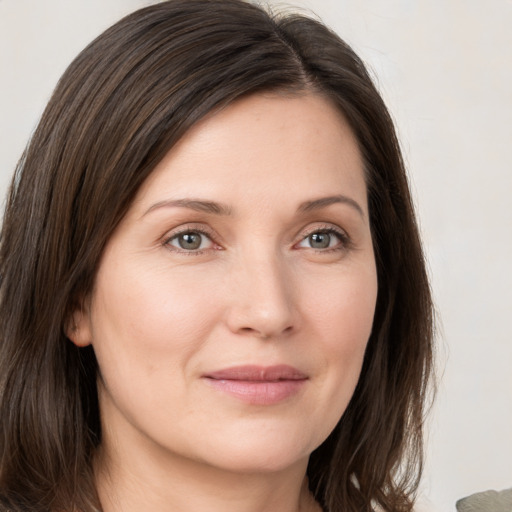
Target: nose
(263, 300)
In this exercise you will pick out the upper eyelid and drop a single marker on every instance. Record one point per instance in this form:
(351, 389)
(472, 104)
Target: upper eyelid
(346, 242)
(167, 239)
(323, 226)
(189, 228)
(217, 239)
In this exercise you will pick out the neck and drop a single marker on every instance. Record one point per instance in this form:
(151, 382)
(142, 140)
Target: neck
(179, 485)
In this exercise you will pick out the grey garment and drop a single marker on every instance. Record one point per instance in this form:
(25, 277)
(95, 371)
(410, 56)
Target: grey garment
(488, 501)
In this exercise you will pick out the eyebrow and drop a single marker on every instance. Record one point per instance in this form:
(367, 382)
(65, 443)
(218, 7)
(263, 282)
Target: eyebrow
(201, 205)
(198, 205)
(323, 202)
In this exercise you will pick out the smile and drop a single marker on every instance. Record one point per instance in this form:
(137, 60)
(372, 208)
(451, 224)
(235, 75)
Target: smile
(257, 385)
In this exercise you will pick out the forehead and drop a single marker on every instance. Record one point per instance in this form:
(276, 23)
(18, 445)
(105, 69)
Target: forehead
(260, 147)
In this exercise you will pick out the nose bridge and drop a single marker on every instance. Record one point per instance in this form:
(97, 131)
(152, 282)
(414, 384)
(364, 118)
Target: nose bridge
(264, 301)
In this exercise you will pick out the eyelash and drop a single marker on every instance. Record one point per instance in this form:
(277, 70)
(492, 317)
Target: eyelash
(344, 240)
(190, 230)
(344, 244)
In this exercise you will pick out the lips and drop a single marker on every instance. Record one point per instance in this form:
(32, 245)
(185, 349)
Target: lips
(258, 373)
(258, 385)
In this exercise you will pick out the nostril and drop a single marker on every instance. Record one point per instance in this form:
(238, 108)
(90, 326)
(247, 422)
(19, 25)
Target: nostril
(262, 334)
(255, 332)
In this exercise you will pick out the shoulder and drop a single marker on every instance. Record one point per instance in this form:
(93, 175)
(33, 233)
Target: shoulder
(487, 501)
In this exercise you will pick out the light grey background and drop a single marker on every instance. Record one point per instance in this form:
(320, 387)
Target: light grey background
(444, 67)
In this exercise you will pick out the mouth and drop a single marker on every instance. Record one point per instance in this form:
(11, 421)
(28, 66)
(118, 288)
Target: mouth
(258, 385)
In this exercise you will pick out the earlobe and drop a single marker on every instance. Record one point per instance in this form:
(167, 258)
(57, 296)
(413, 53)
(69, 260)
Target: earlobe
(78, 328)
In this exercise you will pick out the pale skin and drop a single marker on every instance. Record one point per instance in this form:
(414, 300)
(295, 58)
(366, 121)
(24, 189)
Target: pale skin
(249, 244)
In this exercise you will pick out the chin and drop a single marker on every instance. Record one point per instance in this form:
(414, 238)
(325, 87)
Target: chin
(262, 452)
(260, 462)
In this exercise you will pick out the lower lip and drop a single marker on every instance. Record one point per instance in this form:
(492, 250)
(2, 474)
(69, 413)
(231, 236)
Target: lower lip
(258, 392)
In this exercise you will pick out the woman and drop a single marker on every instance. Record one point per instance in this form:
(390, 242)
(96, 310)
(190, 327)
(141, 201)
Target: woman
(213, 289)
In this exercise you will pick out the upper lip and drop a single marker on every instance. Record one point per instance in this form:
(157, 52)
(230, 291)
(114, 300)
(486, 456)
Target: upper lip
(257, 373)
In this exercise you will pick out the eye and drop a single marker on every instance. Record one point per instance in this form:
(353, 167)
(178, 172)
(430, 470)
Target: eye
(190, 241)
(323, 239)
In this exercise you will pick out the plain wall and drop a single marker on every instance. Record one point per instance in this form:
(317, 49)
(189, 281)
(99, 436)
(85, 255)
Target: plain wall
(444, 68)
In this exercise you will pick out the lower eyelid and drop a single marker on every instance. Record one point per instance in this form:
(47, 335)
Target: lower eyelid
(343, 238)
(174, 236)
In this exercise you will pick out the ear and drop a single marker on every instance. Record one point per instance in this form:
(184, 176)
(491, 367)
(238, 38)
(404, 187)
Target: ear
(78, 327)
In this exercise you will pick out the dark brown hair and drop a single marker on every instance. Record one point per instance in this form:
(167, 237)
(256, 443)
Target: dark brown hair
(117, 110)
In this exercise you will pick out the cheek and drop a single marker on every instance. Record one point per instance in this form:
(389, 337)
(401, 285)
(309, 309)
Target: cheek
(143, 321)
(343, 315)
(344, 306)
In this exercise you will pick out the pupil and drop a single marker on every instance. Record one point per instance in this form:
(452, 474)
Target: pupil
(190, 241)
(320, 240)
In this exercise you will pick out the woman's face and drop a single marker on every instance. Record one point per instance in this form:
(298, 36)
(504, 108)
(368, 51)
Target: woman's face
(234, 302)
